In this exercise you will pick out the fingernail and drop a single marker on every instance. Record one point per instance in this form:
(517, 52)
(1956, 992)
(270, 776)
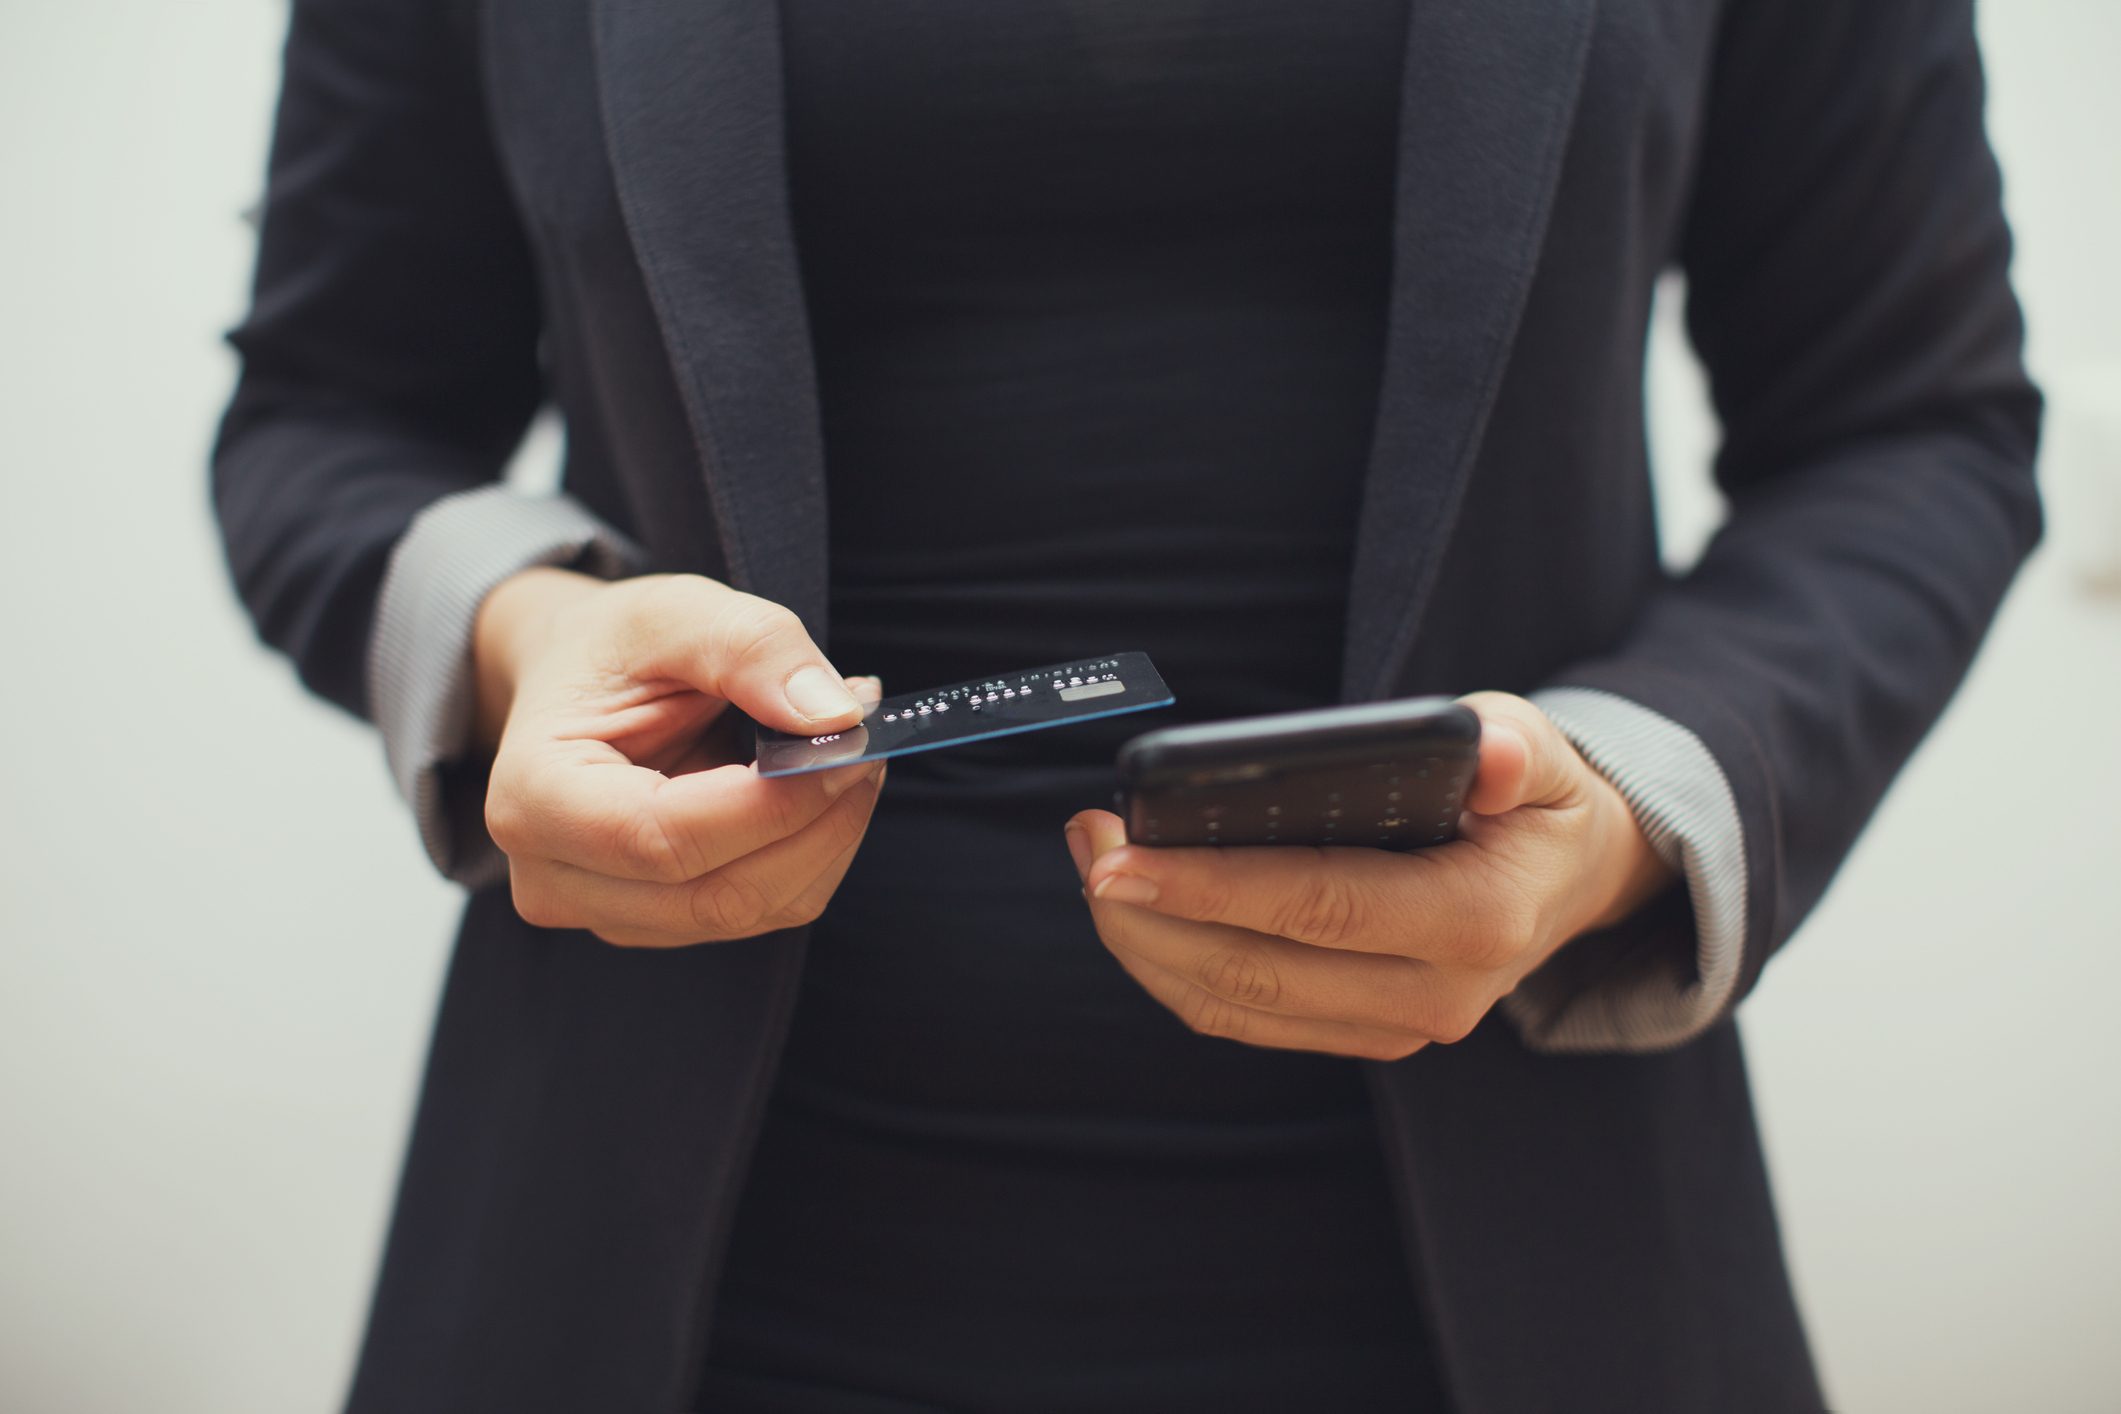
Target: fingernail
(1078, 847)
(1126, 888)
(818, 695)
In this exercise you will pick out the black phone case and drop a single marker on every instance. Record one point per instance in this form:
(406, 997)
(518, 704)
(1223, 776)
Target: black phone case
(1384, 775)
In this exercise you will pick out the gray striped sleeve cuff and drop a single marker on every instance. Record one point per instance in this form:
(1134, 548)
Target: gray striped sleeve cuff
(1684, 804)
(420, 681)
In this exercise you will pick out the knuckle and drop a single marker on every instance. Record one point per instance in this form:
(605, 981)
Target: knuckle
(725, 904)
(1454, 1021)
(782, 814)
(1504, 937)
(753, 627)
(536, 902)
(505, 822)
(1240, 975)
(1488, 924)
(807, 909)
(654, 603)
(1405, 1002)
(1210, 1015)
(658, 613)
(1322, 912)
(1487, 947)
(666, 594)
(848, 824)
(651, 848)
(1525, 927)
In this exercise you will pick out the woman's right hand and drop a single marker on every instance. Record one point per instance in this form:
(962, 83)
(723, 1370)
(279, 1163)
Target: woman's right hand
(615, 791)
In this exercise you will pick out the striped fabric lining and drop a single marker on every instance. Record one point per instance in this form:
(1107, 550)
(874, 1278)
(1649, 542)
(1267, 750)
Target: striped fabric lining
(420, 681)
(1683, 802)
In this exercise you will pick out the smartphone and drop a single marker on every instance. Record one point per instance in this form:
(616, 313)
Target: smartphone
(1384, 775)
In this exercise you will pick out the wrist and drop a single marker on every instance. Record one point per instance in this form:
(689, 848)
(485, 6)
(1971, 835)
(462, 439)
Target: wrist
(1631, 873)
(513, 623)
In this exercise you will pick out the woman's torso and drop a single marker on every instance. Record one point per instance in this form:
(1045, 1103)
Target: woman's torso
(1097, 300)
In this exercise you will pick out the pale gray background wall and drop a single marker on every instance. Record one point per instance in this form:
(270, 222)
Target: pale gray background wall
(219, 944)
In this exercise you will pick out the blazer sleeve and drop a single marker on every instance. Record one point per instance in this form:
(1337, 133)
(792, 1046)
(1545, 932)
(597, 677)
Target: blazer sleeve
(389, 356)
(1848, 292)
(389, 366)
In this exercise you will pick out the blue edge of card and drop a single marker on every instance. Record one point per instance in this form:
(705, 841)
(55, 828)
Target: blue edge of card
(1165, 701)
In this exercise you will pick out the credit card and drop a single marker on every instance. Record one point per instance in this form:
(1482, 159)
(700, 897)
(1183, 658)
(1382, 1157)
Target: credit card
(1026, 701)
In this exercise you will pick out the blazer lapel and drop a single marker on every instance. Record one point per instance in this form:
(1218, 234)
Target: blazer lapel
(691, 97)
(1490, 93)
(691, 94)
(693, 116)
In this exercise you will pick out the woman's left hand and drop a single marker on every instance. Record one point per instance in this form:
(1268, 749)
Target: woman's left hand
(1369, 952)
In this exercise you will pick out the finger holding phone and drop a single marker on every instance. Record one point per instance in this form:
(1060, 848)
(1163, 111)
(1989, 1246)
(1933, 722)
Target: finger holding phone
(620, 790)
(1371, 952)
